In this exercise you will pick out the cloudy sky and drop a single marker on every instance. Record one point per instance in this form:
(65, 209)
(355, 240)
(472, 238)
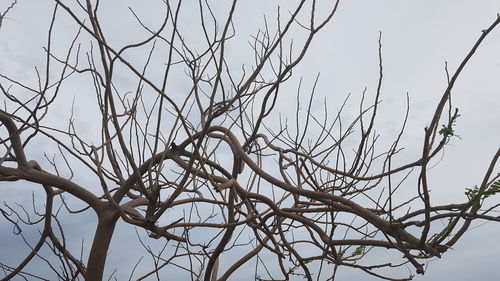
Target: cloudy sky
(417, 38)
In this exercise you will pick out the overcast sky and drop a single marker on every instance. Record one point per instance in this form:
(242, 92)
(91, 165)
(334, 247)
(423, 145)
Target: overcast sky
(417, 38)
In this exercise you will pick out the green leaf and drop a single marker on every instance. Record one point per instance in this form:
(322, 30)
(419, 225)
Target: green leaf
(359, 250)
(447, 131)
(495, 185)
(471, 193)
(491, 190)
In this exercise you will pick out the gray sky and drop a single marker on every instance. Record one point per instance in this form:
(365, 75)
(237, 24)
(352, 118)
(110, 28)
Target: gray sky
(417, 38)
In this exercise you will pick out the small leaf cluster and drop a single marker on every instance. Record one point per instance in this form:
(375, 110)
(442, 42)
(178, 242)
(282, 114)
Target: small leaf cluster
(472, 193)
(448, 130)
(359, 250)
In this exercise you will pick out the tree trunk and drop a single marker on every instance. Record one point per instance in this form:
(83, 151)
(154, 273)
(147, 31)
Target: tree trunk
(100, 245)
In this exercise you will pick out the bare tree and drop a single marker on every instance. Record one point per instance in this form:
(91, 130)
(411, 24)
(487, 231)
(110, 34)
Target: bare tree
(199, 149)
